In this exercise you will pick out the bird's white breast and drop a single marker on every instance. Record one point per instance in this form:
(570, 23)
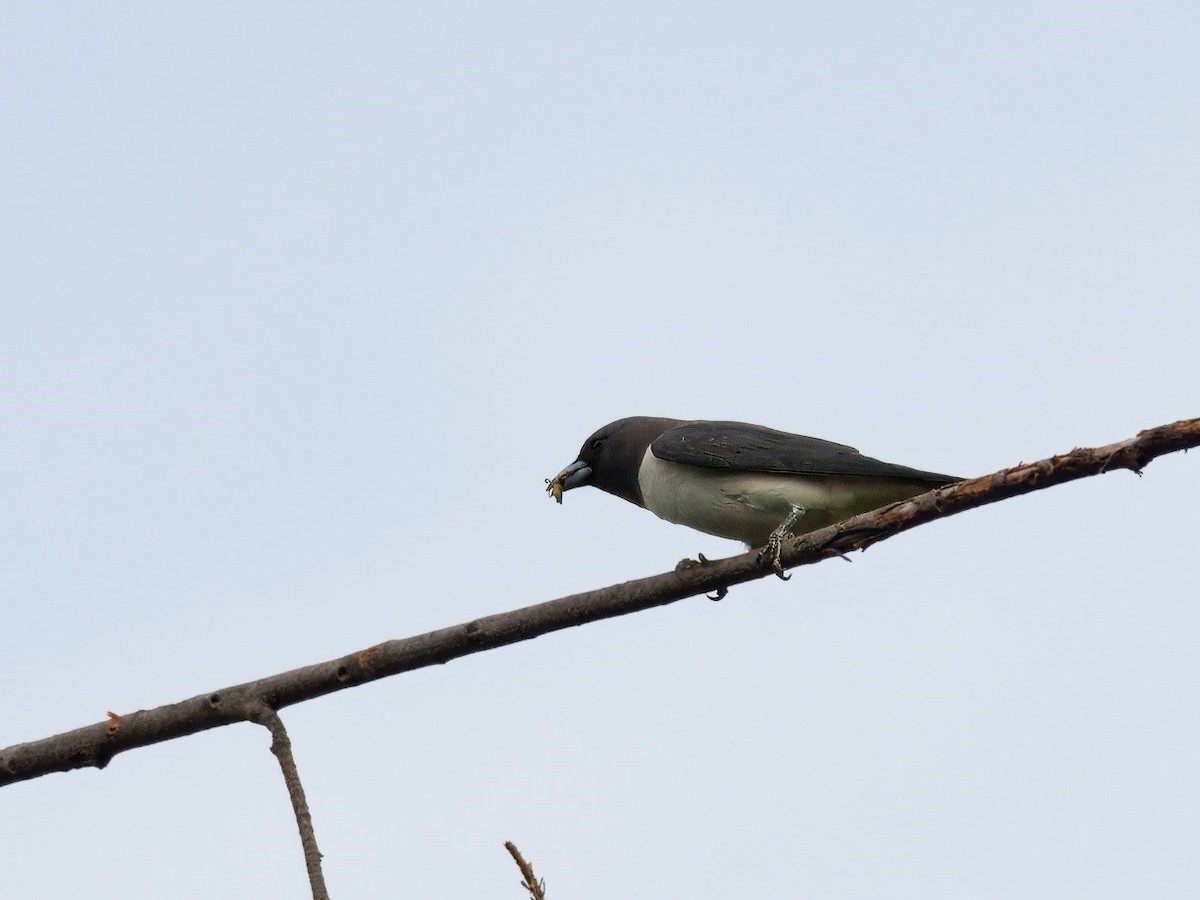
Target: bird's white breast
(748, 506)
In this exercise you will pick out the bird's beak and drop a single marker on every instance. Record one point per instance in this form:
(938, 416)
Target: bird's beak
(572, 476)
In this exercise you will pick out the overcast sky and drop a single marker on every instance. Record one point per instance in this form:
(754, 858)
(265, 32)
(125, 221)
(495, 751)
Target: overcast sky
(302, 302)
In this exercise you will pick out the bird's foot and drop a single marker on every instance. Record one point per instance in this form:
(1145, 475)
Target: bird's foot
(774, 546)
(772, 551)
(684, 564)
(688, 563)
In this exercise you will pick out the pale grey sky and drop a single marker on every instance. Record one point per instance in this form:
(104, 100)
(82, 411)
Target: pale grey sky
(302, 303)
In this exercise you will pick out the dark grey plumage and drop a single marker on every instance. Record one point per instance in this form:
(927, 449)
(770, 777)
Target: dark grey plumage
(753, 448)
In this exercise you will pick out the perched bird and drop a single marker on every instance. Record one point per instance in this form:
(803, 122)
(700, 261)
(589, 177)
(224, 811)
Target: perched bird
(738, 481)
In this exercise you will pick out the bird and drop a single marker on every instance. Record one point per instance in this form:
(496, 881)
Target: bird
(735, 480)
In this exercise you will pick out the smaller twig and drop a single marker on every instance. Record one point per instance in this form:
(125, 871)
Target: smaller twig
(533, 884)
(281, 746)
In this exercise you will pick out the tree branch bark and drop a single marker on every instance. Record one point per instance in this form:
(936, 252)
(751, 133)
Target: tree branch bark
(95, 745)
(536, 886)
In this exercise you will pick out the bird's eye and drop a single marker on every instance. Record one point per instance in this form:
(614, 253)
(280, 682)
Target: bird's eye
(598, 443)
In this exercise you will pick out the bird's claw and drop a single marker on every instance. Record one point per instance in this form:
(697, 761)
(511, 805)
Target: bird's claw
(774, 546)
(687, 563)
(772, 551)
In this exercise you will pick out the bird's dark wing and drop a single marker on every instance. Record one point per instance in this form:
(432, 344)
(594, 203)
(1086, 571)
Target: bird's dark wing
(752, 448)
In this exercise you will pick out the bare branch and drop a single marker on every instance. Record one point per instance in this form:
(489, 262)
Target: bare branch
(530, 881)
(95, 745)
(281, 746)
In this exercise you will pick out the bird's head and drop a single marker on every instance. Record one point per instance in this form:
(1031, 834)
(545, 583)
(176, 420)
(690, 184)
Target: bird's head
(610, 458)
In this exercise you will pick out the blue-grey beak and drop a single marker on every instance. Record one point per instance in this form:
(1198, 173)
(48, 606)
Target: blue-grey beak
(572, 476)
